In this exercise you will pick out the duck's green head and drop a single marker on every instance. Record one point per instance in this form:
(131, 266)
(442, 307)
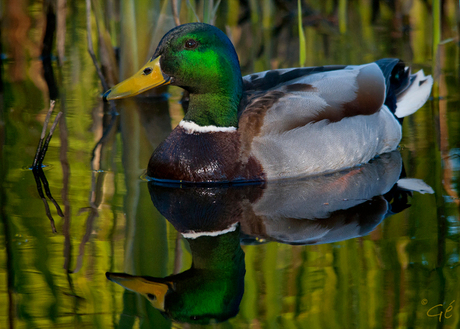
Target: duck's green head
(199, 58)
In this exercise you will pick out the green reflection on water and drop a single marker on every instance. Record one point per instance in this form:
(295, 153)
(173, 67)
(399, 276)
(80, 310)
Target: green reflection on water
(389, 278)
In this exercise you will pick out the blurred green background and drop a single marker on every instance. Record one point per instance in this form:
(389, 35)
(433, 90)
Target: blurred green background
(388, 279)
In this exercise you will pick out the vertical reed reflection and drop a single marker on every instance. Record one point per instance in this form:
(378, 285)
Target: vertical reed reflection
(413, 256)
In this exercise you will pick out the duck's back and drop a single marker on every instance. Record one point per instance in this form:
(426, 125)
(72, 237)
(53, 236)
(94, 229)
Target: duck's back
(315, 120)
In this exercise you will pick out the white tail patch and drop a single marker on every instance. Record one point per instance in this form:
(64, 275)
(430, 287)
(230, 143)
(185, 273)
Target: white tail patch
(414, 184)
(415, 96)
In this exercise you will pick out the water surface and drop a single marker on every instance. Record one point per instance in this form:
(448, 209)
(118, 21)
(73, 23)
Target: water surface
(349, 250)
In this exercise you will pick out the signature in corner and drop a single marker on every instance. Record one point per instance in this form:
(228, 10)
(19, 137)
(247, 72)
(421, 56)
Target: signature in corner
(440, 309)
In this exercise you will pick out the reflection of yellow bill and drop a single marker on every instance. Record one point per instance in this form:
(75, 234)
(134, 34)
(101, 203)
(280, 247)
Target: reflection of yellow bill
(148, 77)
(155, 292)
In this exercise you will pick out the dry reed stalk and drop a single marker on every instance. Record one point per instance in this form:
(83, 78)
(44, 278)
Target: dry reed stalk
(61, 29)
(175, 12)
(90, 45)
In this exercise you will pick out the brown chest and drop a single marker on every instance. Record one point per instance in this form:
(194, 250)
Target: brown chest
(203, 157)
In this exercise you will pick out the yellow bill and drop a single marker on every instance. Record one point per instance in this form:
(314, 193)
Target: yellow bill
(148, 77)
(155, 292)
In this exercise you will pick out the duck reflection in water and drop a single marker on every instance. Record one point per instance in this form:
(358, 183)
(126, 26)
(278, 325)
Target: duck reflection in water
(214, 220)
(210, 290)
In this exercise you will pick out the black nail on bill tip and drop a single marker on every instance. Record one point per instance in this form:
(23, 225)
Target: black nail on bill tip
(104, 96)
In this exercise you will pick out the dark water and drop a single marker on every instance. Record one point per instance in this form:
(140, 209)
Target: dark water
(348, 250)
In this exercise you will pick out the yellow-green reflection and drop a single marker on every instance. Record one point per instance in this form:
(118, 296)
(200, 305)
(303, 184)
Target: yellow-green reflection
(380, 280)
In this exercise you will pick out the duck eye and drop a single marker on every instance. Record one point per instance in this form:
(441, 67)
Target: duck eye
(147, 71)
(151, 296)
(191, 44)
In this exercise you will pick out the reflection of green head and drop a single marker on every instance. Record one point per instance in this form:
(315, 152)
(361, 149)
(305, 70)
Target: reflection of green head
(211, 290)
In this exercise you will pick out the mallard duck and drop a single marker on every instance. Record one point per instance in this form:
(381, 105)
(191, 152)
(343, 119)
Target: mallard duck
(275, 124)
